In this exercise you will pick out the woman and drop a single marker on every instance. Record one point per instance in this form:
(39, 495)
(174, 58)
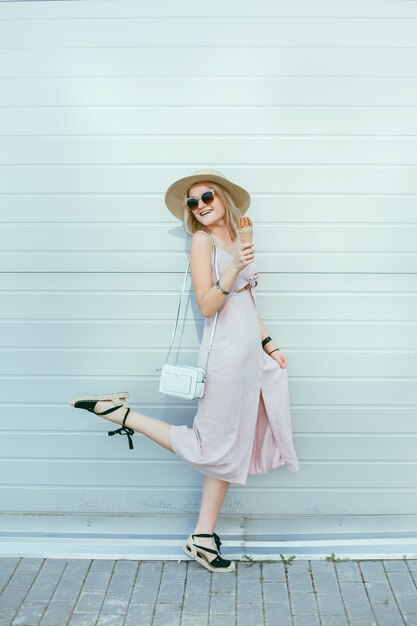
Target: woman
(243, 423)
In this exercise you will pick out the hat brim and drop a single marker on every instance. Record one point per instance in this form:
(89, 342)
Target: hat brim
(175, 193)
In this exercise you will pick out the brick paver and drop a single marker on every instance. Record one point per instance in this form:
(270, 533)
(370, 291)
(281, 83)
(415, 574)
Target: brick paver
(56, 592)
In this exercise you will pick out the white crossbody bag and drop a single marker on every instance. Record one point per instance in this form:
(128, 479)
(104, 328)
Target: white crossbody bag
(183, 381)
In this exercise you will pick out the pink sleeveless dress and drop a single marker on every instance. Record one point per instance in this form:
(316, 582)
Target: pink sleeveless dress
(243, 422)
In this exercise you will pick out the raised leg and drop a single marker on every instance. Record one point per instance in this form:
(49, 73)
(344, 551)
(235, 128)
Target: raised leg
(157, 430)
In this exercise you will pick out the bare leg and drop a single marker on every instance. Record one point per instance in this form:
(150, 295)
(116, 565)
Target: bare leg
(157, 430)
(214, 491)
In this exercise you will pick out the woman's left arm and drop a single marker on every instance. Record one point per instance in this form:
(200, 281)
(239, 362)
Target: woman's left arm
(281, 359)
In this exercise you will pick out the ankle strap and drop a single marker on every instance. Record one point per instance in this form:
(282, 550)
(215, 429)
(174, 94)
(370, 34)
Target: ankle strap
(216, 539)
(124, 430)
(206, 549)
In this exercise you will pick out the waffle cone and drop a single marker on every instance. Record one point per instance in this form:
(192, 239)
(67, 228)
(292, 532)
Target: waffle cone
(245, 229)
(246, 235)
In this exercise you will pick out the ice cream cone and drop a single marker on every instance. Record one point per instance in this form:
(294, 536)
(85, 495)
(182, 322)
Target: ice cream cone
(245, 229)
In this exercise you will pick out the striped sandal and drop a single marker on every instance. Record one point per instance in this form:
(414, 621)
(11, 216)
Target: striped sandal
(218, 564)
(89, 402)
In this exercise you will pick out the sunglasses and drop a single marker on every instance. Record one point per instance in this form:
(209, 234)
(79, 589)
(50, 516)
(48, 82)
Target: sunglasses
(207, 197)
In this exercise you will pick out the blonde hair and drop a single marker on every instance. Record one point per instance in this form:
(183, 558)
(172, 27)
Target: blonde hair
(232, 213)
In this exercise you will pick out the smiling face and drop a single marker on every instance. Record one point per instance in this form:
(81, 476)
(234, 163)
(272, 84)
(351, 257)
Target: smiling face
(211, 214)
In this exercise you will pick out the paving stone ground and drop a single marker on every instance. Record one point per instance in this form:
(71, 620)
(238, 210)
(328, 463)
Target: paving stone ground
(55, 592)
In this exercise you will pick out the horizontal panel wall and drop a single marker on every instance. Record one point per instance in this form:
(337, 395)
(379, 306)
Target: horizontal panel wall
(312, 108)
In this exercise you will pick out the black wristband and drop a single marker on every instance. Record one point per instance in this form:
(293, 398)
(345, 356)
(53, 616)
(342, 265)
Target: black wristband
(218, 285)
(274, 350)
(265, 341)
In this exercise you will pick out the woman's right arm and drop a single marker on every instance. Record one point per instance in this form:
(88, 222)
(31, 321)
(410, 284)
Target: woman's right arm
(209, 298)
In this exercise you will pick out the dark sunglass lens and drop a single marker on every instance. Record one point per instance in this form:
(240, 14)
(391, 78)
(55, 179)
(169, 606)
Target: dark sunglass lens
(207, 197)
(192, 203)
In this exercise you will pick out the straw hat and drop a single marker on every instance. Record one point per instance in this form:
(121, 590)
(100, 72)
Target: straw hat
(175, 192)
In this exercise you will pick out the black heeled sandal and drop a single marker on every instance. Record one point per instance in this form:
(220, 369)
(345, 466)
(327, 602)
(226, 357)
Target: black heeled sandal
(217, 564)
(89, 403)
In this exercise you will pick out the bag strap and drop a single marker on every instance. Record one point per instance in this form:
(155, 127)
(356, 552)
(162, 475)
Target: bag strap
(214, 261)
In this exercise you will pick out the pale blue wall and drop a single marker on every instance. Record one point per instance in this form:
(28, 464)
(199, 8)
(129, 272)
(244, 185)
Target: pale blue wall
(312, 107)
